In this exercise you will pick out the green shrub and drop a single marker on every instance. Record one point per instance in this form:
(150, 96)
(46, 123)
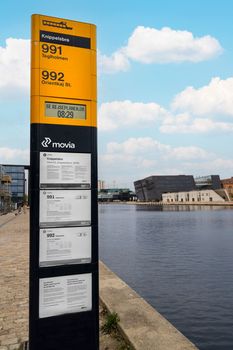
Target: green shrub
(111, 323)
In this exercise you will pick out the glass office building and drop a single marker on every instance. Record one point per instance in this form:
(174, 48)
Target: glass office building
(17, 186)
(211, 182)
(5, 194)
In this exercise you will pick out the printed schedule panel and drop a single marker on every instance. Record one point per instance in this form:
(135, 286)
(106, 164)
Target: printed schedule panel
(65, 170)
(66, 245)
(65, 207)
(65, 294)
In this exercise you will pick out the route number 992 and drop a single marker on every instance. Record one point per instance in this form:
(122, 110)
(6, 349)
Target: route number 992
(52, 75)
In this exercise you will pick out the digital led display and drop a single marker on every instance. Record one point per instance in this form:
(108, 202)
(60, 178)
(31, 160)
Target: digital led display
(65, 110)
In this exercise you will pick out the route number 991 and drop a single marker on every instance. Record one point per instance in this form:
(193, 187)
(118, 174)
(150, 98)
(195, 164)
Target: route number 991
(52, 49)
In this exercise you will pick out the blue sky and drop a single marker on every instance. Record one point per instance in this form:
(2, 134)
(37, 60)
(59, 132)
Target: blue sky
(165, 84)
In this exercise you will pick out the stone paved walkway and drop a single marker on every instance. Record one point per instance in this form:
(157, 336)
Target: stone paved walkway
(14, 246)
(14, 271)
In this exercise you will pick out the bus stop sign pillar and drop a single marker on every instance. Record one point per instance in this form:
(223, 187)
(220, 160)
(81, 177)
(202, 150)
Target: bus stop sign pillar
(64, 296)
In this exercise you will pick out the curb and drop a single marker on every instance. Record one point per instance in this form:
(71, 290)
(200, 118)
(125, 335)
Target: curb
(140, 324)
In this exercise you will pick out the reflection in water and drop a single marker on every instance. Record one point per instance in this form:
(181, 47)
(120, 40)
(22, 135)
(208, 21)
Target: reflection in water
(180, 260)
(180, 207)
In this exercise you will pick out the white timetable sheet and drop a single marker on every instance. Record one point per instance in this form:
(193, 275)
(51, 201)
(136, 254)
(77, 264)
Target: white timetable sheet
(70, 170)
(65, 208)
(65, 245)
(65, 294)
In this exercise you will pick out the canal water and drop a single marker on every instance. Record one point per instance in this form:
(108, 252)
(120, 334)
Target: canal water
(180, 259)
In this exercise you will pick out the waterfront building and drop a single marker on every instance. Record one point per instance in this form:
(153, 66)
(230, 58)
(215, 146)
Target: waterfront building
(5, 193)
(17, 186)
(151, 188)
(101, 185)
(115, 194)
(203, 196)
(227, 184)
(211, 182)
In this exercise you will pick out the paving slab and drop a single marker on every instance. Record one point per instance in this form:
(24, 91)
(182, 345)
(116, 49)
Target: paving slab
(14, 286)
(142, 326)
(14, 270)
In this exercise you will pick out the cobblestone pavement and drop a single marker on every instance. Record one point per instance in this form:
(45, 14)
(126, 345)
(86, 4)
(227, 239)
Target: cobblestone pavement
(14, 246)
(14, 271)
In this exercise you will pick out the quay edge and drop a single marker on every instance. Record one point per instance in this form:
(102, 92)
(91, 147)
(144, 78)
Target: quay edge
(140, 324)
(161, 204)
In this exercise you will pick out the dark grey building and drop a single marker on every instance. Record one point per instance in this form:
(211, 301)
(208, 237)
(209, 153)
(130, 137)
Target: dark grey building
(152, 187)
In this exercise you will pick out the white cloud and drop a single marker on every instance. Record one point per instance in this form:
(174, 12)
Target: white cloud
(215, 165)
(189, 153)
(216, 98)
(15, 66)
(116, 114)
(204, 110)
(194, 125)
(140, 157)
(113, 64)
(14, 155)
(148, 146)
(135, 146)
(150, 45)
(124, 114)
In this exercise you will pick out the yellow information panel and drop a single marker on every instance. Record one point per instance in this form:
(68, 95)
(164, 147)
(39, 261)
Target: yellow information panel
(63, 72)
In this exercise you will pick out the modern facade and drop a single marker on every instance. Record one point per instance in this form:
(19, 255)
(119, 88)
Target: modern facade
(227, 184)
(17, 186)
(151, 188)
(101, 185)
(212, 182)
(5, 194)
(115, 194)
(192, 197)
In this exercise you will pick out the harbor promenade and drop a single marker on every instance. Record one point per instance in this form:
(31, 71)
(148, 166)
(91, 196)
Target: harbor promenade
(140, 327)
(14, 269)
(14, 285)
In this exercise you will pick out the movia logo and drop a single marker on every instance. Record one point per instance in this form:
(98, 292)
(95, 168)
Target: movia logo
(47, 141)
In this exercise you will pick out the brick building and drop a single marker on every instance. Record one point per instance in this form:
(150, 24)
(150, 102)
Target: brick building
(227, 184)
